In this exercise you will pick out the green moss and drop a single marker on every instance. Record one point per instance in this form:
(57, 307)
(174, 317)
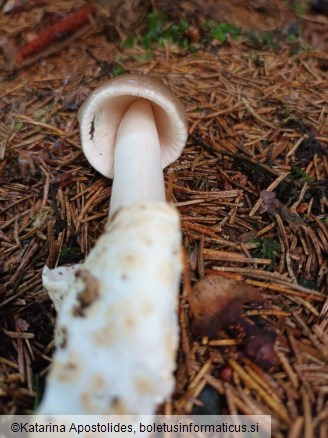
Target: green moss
(300, 174)
(43, 114)
(129, 42)
(301, 7)
(142, 58)
(118, 70)
(267, 248)
(18, 126)
(155, 21)
(221, 31)
(159, 31)
(264, 40)
(69, 254)
(292, 37)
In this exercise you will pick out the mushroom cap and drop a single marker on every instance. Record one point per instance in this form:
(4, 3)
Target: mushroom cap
(101, 114)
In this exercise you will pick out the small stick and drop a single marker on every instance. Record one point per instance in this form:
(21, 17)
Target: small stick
(55, 32)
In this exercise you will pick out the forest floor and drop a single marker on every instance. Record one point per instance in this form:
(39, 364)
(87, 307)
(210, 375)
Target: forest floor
(251, 187)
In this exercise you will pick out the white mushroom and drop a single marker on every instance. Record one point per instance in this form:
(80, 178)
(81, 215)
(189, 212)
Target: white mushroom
(117, 328)
(131, 128)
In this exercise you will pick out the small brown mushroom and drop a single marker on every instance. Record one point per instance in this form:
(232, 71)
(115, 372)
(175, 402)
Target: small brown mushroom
(217, 304)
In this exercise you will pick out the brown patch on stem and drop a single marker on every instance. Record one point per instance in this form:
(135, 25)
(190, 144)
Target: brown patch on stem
(89, 293)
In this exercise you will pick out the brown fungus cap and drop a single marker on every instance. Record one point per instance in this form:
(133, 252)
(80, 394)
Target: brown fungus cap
(101, 114)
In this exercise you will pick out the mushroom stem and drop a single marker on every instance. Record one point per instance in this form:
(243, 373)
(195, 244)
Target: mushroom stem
(138, 174)
(117, 327)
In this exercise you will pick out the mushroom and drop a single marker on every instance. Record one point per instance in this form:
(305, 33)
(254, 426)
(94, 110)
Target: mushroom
(117, 329)
(217, 303)
(132, 127)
